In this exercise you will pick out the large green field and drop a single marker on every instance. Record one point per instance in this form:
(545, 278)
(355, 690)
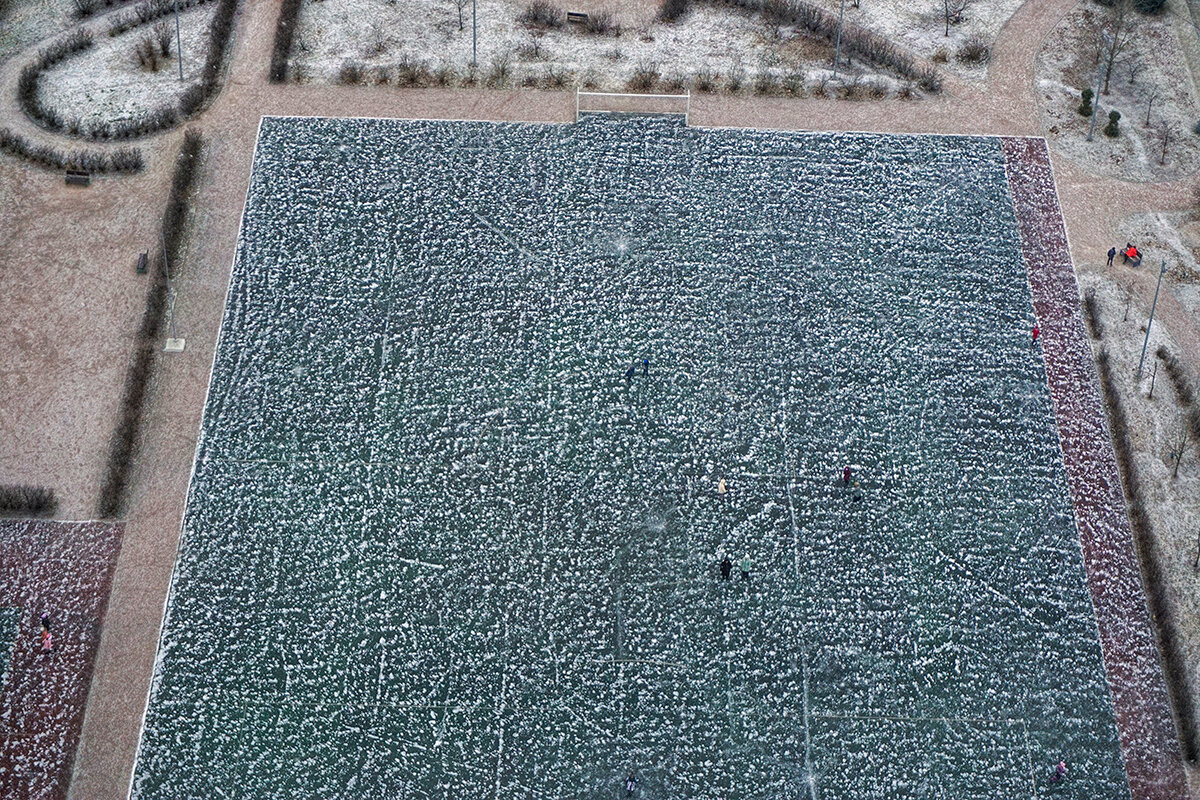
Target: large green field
(438, 545)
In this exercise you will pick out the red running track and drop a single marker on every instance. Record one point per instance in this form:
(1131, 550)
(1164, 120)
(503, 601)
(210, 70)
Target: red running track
(64, 569)
(1144, 723)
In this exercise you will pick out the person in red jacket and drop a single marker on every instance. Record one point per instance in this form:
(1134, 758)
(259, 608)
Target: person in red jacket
(1036, 332)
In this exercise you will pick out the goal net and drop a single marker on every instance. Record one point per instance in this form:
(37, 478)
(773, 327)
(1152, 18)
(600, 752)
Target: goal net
(616, 103)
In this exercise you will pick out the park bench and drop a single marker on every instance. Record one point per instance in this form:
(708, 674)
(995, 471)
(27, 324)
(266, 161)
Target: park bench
(577, 17)
(77, 177)
(143, 260)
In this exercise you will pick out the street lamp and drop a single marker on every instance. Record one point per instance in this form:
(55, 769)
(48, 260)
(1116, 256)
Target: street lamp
(1161, 272)
(837, 50)
(178, 44)
(1099, 77)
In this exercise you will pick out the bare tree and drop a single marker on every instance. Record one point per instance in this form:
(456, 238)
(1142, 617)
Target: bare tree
(1112, 36)
(1165, 134)
(1180, 445)
(1150, 105)
(953, 11)
(1134, 65)
(461, 6)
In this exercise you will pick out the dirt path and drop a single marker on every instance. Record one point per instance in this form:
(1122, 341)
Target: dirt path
(61, 397)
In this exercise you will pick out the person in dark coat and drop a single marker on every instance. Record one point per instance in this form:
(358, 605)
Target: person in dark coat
(726, 568)
(1112, 253)
(645, 367)
(846, 476)
(630, 785)
(629, 372)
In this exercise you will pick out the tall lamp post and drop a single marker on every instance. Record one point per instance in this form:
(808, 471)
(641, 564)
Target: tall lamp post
(1157, 286)
(474, 35)
(1099, 78)
(178, 44)
(837, 50)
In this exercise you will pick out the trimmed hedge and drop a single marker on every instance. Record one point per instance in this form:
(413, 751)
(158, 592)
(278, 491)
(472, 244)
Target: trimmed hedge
(1183, 390)
(191, 101)
(137, 380)
(27, 501)
(1091, 314)
(856, 41)
(285, 32)
(125, 160)
(1170, 651)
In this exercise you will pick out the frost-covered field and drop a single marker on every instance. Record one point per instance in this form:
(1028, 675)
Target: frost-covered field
(438, 546)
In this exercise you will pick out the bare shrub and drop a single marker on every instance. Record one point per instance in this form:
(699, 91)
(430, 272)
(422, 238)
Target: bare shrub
(975, 51)
(765, 82)
(554, 78)
(350, 73)
(674, 83)
(940, 56)
(542, 14)
(672, 10)
(500, 72)
(645, 75)
(412, 72)
(736, 79)
(147, 54)
(164, 35)
(531, 51)
(27, 501)
(445, 75)
(706, 81)
(793, 83)
(602, 24)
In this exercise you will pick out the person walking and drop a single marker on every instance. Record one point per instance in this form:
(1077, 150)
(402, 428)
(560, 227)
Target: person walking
(846, 475)
(645, 368)
(1036, 332)
(1112, 253)
(721, 488)
(744, 567)
(630, 785)
(1060, 772)
(726, 568)
(629, 373)
(47, 641)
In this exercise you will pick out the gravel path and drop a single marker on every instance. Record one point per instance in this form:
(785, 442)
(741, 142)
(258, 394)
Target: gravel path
(124, 221)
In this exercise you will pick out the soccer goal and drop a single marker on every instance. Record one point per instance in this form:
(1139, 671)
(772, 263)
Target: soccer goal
(616, 103)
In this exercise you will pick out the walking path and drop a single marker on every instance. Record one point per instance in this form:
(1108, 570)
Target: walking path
(1005, 104)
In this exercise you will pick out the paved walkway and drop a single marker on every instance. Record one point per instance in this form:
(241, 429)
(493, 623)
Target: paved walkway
(1005, 104)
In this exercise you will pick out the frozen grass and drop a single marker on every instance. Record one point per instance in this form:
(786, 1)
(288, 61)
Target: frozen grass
(105, 84)
(437, 545)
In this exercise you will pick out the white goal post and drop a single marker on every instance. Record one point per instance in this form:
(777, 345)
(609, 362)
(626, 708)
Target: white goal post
(617, 103)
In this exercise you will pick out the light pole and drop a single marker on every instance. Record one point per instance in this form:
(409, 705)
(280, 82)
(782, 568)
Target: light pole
(1153, 305)
(837, 50)
(1099, 77)
(178, 44)
(474, 35)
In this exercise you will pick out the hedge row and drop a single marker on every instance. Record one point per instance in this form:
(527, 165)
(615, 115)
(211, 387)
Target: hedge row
(127, 159)
(285, 31)
(1183, 391)
(193, 99)
(148, 12)
(1173, 663)
(27, 501)
(856, 41)
(1091, 314)
(137, 380)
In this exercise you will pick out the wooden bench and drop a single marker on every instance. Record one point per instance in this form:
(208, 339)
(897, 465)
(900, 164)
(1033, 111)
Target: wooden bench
(77, 177)
(143, 261)
(577, 17)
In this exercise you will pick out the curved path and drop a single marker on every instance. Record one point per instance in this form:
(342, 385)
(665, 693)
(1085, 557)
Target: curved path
(1004, 104)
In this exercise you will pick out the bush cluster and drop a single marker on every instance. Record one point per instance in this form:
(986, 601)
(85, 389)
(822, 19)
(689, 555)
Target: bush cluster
(137, 380)
(856, 42)
(119, 161)
(542, 14)
(1174, 670)
(86, 8)
(285, 32)
(1091, 314)
(1183, 391)
(672, 10)
(147, 12)
(27, 501)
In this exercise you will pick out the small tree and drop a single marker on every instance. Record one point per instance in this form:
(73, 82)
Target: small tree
(953, 11)
(1165, 134)
(1150, 105)
(1134, 65)
(1112, 129)
(1085, 106)
(461, 7)
(1112, 36)
(1179, 446)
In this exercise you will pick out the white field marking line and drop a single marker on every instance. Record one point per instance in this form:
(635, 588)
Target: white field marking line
(418, 563)
(621, 661)
(812, 779)
(379, 677)
(1029, 756)
(627, 94)
(943, 720)
(584, 722)
(970, 573)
